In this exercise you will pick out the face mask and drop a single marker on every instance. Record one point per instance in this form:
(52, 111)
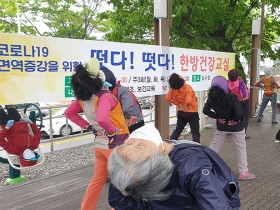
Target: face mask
(147, 132)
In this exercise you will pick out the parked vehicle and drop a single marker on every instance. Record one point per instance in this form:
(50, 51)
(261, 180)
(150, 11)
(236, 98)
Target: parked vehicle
(59, 127)
(147, 102)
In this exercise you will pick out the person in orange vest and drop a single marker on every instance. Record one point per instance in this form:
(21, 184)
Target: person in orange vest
(130, 105)
(104, 119)
(270, 85)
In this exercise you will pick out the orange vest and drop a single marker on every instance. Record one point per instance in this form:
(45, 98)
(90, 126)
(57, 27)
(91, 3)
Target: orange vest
(268, 85)
(116, 116)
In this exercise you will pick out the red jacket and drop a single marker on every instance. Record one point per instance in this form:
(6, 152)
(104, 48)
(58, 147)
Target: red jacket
(16, 139)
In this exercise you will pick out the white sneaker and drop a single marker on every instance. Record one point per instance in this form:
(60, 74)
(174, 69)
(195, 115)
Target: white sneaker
(277, 141)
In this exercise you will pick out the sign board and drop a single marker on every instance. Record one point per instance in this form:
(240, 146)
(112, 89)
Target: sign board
(38, 69)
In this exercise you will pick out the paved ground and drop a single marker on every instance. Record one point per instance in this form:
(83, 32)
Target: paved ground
(65, 190)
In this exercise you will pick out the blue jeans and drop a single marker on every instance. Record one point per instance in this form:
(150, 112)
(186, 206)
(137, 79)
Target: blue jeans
(273, 99)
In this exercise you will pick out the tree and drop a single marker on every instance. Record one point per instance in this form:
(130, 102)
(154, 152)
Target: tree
(130, 21)
(60, 18)
(8, 15)
(219, 25)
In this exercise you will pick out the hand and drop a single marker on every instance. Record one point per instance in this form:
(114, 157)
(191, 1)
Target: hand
(183, 108)
(126, 115)
(131, 121)
(112, 136)
(26, 120)
(222, 121)
(232, 122)
(93, 130)
(10, 123)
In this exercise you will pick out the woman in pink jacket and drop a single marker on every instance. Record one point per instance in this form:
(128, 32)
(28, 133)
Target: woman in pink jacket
(104, 118)
(238, 87)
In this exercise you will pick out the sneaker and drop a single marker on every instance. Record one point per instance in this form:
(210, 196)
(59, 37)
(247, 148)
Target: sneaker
(274, 122)
(247, 136)
(277, 141)
(246, 176)
(259, 120)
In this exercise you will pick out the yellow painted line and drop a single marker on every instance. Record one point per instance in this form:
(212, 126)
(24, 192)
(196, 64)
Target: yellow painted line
(63, 141)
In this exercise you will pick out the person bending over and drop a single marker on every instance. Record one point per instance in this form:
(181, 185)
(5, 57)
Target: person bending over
(183, 96)
(148, 173)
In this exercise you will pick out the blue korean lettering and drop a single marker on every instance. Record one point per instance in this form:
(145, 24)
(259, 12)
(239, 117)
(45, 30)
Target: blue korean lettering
(67, 66)
(4, 50)
(16, 50)
(41, 66)
(28, 52)
(17, 65)
(4, 66)
(101, 55)
(29, 65)
(118, 58)
(163, 61)
(149, 58)
(53, 66)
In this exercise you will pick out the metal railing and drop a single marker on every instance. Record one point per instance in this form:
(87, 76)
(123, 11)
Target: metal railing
(148, 117)
(50, 117)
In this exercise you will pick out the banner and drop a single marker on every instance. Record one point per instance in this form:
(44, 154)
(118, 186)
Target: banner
(38, 69)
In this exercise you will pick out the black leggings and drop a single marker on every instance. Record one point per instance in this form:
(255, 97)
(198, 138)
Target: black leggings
(12, 114)
(136, 126)
(182, 119)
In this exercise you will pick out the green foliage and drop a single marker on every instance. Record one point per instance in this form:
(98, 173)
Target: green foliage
(67, 18)
(131, 21)
(8, 14)
(219, 25)
(59, 18)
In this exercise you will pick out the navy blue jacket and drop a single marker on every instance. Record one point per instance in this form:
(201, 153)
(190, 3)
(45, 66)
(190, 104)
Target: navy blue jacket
(200, 180)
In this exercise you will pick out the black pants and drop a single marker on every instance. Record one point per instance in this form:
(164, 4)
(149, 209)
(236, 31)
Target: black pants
(12, 114)
(245, 111)
(135, 126)
(182, 119)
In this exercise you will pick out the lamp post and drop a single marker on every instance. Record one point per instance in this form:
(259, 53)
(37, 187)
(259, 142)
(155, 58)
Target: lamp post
(162, 23)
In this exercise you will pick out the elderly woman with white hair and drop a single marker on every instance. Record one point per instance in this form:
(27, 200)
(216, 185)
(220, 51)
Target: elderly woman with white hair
(148, 173)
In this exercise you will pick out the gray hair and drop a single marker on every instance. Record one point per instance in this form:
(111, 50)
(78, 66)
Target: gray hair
(267, 71)
(141, 179)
